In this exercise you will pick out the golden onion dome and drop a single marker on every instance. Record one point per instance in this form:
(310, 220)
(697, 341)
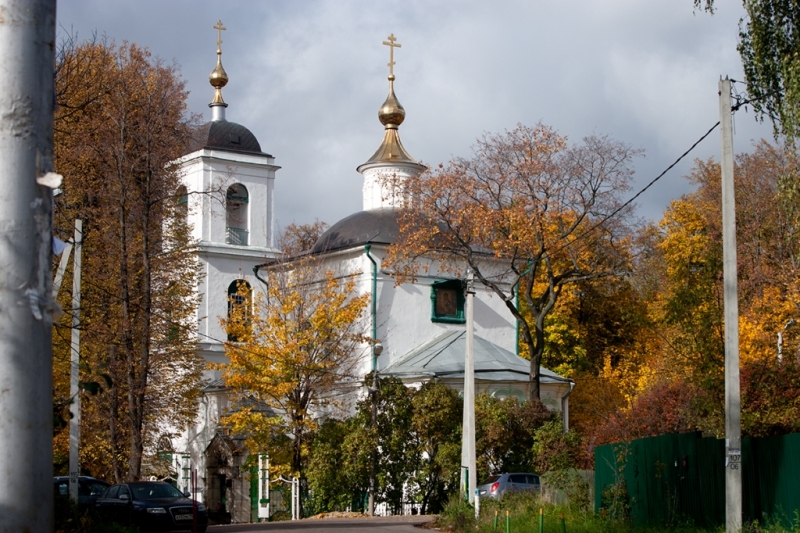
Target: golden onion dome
(391, 114)
(218, 79)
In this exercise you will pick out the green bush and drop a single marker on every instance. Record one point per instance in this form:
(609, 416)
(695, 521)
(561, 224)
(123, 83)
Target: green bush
(614, 505)
(457, 516)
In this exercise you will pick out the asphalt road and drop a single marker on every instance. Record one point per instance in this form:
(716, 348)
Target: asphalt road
(380, 524)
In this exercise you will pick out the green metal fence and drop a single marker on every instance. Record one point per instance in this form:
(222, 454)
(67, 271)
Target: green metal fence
(676, 478)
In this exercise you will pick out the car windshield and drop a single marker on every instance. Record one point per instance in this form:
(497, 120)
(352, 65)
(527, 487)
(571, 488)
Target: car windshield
(155, 491)
(491, 479)
(91, 488)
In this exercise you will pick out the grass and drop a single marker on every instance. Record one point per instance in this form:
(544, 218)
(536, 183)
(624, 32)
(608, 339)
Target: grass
(523, 517)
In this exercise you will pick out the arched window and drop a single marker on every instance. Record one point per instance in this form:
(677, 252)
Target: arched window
(182, 199)
(240, 294)
(236, 200)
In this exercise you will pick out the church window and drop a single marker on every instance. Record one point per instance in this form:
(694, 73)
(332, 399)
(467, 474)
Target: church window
(447, 302)
(236, 227)
(239, 297)
(165, 450)
(182, 199)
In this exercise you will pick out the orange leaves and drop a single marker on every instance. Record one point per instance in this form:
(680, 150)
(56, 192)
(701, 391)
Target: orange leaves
(119, 123)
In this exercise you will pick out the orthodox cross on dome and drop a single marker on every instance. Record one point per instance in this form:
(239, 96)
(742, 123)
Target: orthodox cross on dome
(392, 45)
(220, 28)
(218, 79)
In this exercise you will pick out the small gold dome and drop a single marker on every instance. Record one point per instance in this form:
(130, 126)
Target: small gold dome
(218, 79)
(391, 114)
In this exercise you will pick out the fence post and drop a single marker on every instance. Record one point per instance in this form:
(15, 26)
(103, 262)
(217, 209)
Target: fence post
(263, 487)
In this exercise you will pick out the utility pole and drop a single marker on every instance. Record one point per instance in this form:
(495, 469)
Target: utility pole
(74, 368)
(27, 43)
(733, 431)
(469, 474)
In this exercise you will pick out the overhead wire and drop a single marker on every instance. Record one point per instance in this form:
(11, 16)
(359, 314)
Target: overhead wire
(642, 191)
(741, 101)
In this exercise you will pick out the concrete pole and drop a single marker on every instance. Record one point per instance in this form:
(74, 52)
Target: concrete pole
(733, 432)
(74, 368)
(27, 43)
(469, 474)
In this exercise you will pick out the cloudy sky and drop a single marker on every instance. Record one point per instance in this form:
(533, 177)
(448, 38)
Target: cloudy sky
(307, 77)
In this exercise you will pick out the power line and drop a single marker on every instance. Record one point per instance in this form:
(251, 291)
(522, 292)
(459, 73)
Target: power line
(741, 101)
(652, 182)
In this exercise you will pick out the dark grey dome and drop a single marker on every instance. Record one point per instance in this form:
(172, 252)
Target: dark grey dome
(224, 135)
(376, 226)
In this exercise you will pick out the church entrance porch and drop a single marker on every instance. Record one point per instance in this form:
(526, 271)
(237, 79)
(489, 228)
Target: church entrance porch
(227, 497)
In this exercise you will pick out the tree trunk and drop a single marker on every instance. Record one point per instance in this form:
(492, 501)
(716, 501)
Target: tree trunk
(112, 419)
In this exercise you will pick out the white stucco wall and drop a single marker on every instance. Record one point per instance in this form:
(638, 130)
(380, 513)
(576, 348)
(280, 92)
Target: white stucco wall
(404, 312)
(404, 320)
(383, 184)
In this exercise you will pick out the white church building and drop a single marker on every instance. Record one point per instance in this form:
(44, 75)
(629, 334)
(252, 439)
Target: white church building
(229, 185)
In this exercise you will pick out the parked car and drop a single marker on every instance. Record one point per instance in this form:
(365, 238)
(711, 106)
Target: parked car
(89, 489)
(151, 505)
(499, 484)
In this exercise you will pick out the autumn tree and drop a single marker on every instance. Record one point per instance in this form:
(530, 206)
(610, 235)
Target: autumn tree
(529, 214)
(666, 407)
(120, 123)
(687, 310)
(504, 433)
(296, 353)
(298, 238)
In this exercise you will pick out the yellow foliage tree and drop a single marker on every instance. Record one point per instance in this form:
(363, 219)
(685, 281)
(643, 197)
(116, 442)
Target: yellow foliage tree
(297, 352)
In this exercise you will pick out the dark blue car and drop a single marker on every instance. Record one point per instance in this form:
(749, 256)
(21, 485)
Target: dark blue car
(89, 489)
(153, 506)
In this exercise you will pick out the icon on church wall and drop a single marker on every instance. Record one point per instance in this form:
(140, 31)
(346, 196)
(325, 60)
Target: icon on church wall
(446, 302)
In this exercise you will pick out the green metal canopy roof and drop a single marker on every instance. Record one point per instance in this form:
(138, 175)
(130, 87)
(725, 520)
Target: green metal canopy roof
(443, 357)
